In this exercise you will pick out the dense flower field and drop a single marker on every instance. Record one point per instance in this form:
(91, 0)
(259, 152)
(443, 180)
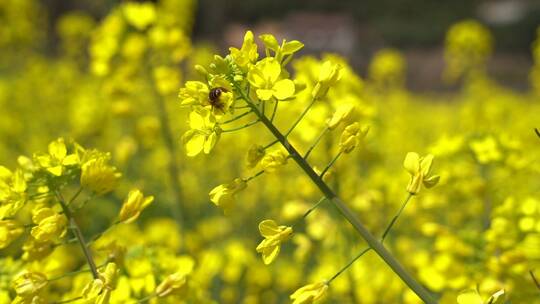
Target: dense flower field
(138, 167)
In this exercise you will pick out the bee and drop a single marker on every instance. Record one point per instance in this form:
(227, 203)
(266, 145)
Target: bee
(213, 97)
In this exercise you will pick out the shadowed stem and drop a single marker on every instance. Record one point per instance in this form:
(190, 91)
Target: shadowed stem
(534, 279)
(78, 234)
(387, 257)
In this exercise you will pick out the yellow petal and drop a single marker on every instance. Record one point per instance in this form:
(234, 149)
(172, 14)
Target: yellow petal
(432, 181)
(57, 149)
(426, 163)
(271, 69)
(283, 89)
(263, 94)
(196, 120)
(256, 78)
(270, 254)
(194, 143)
(412, 162)
(268, 228)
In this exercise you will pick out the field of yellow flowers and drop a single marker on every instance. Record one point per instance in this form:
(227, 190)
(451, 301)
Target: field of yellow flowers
(137, 167)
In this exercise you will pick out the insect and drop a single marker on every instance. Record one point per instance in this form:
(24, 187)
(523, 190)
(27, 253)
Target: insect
(213, 97)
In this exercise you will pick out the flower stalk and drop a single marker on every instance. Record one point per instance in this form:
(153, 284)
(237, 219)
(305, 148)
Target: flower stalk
(78, 234)
(373, 243)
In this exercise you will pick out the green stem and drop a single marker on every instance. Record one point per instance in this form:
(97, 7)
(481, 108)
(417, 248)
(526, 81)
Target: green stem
(241, 127)
(67, 274)
(394, 219)
(534, 279)
(323, 199)
(253, 176)
(330, 164)
(321, 135)
(348, 264)
(235, 118)
(78, 234)
(537, 132)
(299, 118)
(274, 111)
(270, 144)
(385, 233)
(68, 301)
(387, 257)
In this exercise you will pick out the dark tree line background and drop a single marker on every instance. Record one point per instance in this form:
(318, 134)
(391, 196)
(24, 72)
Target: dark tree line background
(413, 26)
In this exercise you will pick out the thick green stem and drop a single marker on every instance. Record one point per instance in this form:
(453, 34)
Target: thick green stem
(78, 234)
(387, 257)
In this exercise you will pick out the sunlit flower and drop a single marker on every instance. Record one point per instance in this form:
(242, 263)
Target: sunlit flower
(57, 160)
(420, 170)
(29, 284)
(175, 283)
(223, 195)
(329, 74)
(273, 235)
(247, 54)
(310, 293)
(203, 135)
(352, 135)
(50, 225)
(264, 77)
(98, 176)
(133, 205)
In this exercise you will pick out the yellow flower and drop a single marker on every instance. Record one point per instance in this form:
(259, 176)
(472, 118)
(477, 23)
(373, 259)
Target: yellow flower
(329, 75)
(50, 225)
(420, 170)
(194, 93)
(139, 15)
(310, 293)
(272, 161)
(273, 235)
(29, 284)
(99, 290)
(133, 205)
(351, 137)
(264, 77)
(97, 175)
(9, 231)
(203, 135)
(57, 159)
(247, 54)
(472, 296)
(343, 113)
(280, 51)
(175, 283)
(223, 195)
(12, 192)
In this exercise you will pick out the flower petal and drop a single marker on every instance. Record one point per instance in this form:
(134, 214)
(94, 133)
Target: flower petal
(283, 89)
